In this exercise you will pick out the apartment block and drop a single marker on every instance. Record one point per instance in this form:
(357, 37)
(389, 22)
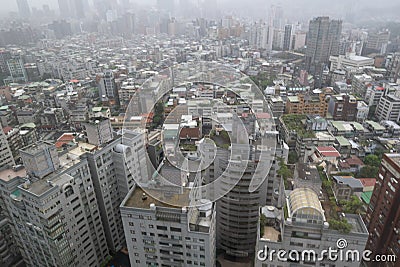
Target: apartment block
(6, 156)
(163, 229)
(311, 103)
(54, 211)
(98, 131)
(389, 107)
(114, 169)
(343, 107)
(383, 215)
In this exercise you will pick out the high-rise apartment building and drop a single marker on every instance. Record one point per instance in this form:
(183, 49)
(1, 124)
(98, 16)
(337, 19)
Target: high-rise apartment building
(98, 131)
(10, 253)
(72, 8)
(17, 70)
(164, 229)
(54, 211)
(377, 42)
(4, 57)
(107, 87)
(237, 209)
(388, 107)
(23, 9)
(322, 41)
(288, 37)
(383, 214)
(114, 169)
(6, 156)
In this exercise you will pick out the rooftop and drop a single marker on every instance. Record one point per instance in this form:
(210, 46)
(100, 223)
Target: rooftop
(376, 126)
(349, 181)
(9, 174)
(342, 141)
(49, 182)
(357, 224)
(142, 199)
(328, 151)
(294, 122)
(270, 233)
(366, 196)
(306, 201)
(368, 182)
(37, 147)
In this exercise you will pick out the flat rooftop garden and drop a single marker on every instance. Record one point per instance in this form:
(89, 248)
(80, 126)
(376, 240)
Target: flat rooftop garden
(295, 122)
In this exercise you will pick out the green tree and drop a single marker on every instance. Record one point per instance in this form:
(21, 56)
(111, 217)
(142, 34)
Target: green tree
(368, 172)
(341, 225)
(284, 172)
(372, 160)
(353, 206)
(292, 157)
(158, 114)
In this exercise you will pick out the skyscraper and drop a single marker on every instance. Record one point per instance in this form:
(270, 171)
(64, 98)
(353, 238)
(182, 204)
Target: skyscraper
(322, 42)
(237, 217)
(23, 8)
(6, 157)
(54, 209)
(72, 8)
(287, 39)
(383, 213)
(107, 87)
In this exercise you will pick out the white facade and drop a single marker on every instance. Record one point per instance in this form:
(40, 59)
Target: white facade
(159, 234)
(56, 218)
(362, 111)
(6, 157)
(388, 108)
(350, 62)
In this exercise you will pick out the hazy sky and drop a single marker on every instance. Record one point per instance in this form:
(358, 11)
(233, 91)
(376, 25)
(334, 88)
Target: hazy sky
(256, 7)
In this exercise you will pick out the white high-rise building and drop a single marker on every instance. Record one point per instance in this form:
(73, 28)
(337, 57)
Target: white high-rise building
(6, 157)
(55, 213)
(114, 169)
(173, 234)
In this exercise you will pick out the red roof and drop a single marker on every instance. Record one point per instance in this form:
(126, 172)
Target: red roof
(190, 132)
(66, 137)
(354, 160)
(7, 129)
(344, 165)
(328, 151)
(367, 182)
(263, 115)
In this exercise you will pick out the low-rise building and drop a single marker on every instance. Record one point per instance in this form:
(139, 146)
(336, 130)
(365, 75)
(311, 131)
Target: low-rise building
(303, 227)
(347, 129)
(392, 128)
(343, 107)
(362, 111)
(346, 186)
(375, 128)
(350, 62)
(312, 103)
